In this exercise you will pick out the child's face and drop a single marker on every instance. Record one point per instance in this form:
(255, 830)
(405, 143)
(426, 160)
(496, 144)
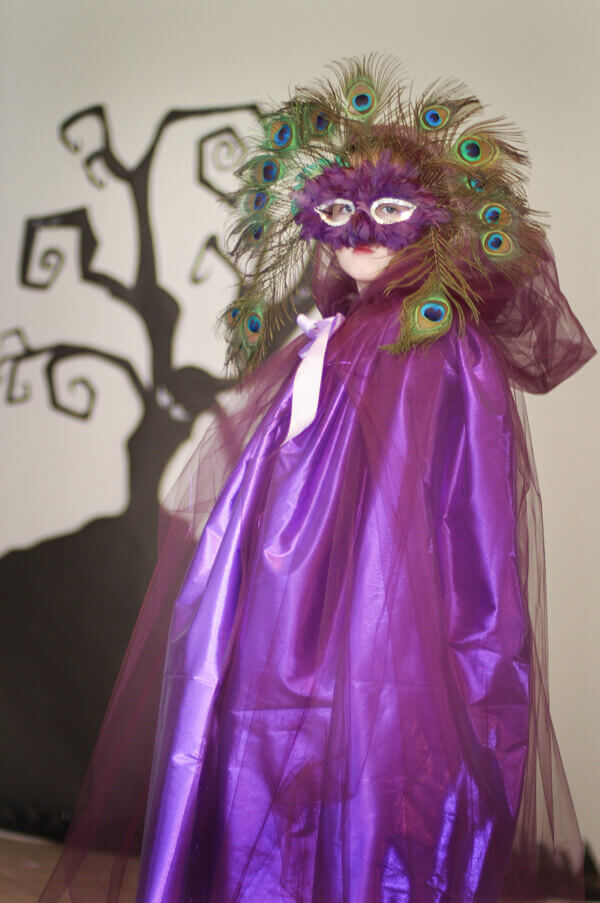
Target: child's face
(364, 263)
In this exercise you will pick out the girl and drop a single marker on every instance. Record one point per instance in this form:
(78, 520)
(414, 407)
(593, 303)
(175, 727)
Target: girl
(347, 624)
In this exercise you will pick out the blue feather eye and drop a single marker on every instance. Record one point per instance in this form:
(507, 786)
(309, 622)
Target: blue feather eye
(253, 232)
(494, 241)
(474, 183)
(477, 150)
(433, 311)
(495, 215)
(269, 171)
(434, 117)
(362, 102)
(232, 314)
(281, 133)
(470, 150)
(361, 98)
(497, 244)
(317, 122)
(260, 199)
(265, 171)
(432, 317)
(256, 201)
(252, 328)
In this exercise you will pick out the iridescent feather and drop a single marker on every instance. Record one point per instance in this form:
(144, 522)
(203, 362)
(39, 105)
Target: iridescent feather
(476, 169)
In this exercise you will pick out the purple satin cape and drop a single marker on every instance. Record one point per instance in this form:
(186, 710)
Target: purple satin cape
(339, 674)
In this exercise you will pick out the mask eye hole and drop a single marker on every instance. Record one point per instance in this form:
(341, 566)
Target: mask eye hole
(387, 211)
(336, 212)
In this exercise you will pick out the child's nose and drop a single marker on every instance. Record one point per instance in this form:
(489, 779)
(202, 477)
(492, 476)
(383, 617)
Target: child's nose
(362, 225)
(360, 217)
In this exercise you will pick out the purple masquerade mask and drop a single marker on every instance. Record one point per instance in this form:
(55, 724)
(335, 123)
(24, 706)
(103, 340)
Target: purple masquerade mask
(380, 203)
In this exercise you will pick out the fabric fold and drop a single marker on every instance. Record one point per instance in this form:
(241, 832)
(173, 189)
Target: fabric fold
(337, 688)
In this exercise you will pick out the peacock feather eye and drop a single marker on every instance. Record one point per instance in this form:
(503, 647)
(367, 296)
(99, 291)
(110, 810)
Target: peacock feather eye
(256, 201)
(266, 170)
(315, 123)
(320, 123)
(233, 314)
(434, 117)
(474, 183)
(495, 215)
(476, 150)
(433, 313)
(282, 133)
(254, 231)
(470, 151)
(361, 98)
(424, 318)
(497, 244)
(252, 328)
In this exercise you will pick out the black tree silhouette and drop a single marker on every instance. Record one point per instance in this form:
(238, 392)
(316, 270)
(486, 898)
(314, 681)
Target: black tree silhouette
(70, 602)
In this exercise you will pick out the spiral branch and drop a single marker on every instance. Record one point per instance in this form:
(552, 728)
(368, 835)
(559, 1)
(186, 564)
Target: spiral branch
(53, 258)
(78, 386)
(103, 152)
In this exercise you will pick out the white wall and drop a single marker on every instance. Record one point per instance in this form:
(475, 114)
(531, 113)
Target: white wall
(533, 60)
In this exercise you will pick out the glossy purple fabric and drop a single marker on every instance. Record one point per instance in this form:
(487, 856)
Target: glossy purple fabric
(346, 690)
(347, 637)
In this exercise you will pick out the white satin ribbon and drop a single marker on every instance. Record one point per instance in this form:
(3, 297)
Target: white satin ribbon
(307, 379)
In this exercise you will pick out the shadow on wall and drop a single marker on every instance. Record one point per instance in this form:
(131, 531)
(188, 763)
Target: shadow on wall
(70, 603)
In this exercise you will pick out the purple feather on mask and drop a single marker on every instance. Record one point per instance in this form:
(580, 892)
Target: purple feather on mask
(363, 185)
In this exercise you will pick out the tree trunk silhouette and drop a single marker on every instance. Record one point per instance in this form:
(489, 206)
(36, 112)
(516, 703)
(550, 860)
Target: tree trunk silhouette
(70, 602)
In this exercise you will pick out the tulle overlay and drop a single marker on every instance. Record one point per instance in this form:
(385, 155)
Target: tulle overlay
(337, 688)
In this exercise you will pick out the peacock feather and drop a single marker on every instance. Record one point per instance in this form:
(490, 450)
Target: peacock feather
(243, 324)
(476, 169)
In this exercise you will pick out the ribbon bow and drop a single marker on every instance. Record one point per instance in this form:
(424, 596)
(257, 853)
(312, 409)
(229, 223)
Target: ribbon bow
(307, 379)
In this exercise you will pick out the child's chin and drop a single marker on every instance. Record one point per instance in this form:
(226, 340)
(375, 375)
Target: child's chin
(368, 274)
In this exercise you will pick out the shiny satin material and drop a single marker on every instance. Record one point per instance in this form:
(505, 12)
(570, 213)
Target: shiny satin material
(345, 709)
(345, 635)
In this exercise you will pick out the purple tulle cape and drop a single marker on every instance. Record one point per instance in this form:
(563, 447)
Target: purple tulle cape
(337, 687)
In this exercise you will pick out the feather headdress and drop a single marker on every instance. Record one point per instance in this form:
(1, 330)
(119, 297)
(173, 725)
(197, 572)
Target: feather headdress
(470, 170)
